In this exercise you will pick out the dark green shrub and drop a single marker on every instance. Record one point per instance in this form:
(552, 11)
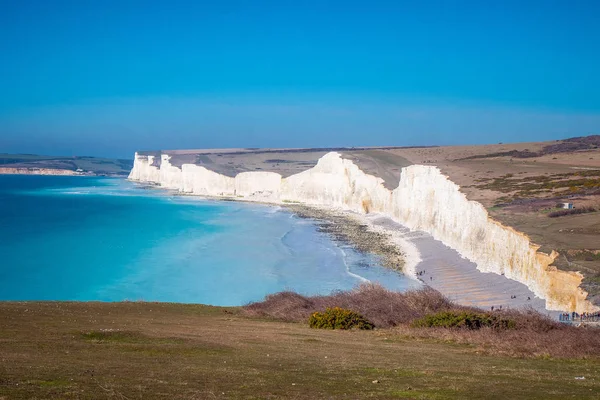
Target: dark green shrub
(464, 319)
(338, 318)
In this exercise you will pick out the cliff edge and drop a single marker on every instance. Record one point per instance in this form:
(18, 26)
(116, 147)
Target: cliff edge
(425, 199)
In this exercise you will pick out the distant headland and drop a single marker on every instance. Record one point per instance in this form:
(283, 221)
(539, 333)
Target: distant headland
(31, 164)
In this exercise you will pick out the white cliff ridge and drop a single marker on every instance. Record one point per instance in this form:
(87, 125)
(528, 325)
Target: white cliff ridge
(425, 199)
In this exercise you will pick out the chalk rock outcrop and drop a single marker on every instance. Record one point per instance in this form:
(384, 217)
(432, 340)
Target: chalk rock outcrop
(171, 177)
(425, 199)
(338, 183)
(264, 186)
(144, 170)
(201, 181)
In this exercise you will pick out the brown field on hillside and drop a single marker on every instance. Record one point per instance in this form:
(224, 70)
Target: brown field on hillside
(171, 351)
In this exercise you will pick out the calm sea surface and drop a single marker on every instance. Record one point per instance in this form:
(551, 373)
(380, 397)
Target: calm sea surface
(79, 238)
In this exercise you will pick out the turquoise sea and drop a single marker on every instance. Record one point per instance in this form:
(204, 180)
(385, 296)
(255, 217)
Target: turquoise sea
(84, 238)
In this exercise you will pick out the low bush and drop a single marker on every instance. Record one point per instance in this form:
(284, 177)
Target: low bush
(382, 307)
(464, 319)
(572, 211)
(534, 334)
(338, 318)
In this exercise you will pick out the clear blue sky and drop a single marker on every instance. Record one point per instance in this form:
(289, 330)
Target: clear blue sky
(109, 77)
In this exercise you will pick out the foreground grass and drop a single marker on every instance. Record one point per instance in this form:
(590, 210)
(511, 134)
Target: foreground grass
(149, 350)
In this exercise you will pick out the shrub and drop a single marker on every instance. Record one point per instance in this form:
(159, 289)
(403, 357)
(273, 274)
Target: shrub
(572, 211)
(384, 308)
(534, 334)
(464, 319)
(338, 318)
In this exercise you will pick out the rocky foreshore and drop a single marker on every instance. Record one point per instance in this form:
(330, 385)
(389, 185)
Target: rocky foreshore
(345, 227)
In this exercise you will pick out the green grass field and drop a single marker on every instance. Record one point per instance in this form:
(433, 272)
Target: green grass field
(173, 351)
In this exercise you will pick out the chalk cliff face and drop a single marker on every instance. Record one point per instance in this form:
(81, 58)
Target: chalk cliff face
(264, 186)
(201, 181)
(427, 200)
(424, 200)
(144, 170)
(339, 183)
(170, 176)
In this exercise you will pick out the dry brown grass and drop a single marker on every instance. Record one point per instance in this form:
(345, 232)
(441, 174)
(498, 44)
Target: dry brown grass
(382, 307)
(559, 342)
(534, 335)
(137, 350)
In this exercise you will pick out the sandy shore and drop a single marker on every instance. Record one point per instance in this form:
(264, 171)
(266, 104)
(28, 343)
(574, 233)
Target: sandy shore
(418, 255)
(445, 270)
(411, 252)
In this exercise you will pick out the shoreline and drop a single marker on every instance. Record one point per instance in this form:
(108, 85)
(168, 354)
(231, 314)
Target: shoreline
(447, 271)
(410, 252)
(343, 226)
(350, 229)
(419, 256)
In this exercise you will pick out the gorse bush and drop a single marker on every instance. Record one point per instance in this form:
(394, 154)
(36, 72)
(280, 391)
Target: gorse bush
(464, 319)
(338, 318)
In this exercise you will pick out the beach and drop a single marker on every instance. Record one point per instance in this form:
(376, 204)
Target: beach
(413, 252)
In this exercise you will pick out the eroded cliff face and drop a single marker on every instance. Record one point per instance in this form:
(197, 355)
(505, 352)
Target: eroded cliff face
(424, 200)
(263, 186)
(427, 200)
(338, 183)
(201, 181)
(144, 170)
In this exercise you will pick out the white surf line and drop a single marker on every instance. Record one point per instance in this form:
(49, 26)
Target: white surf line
(352, 274)
(412, 256)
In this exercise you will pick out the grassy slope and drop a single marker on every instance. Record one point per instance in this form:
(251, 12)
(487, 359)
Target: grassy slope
(58, 350)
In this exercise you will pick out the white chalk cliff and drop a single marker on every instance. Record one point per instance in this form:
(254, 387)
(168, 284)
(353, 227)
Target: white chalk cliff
(425, 200)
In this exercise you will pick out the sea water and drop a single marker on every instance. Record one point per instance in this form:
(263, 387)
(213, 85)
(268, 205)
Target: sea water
(88, 238)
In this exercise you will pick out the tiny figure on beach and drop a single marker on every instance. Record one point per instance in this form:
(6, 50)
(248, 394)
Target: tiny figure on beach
(492, 308)
(431, 278)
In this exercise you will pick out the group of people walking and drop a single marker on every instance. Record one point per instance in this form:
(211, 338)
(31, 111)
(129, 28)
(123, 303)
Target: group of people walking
(421, 273)
(583, 317)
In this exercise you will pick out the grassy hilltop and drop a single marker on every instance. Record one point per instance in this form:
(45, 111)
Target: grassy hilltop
(137, 350)
(90, 165)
